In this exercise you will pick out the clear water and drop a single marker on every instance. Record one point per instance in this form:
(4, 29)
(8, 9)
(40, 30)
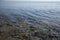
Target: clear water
(48, 12)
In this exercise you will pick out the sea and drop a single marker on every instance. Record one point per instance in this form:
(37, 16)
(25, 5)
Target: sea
(32, 12)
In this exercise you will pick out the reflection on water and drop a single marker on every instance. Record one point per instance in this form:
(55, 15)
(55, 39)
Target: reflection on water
(41, 15)
(35, 5)
(48, 12)
(51, 17)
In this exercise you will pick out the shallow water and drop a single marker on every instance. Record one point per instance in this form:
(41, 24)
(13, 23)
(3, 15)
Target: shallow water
(33, 12)
(29, 20)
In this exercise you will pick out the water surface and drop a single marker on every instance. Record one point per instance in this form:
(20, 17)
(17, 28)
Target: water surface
(33, 12)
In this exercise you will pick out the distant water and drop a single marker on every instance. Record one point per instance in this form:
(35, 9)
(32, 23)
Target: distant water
(48, 12)
(35, 5)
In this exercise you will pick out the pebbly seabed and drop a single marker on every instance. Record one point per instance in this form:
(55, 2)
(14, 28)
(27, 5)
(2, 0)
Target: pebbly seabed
(29, 24)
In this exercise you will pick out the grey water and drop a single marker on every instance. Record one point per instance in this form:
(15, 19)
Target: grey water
(48, 12)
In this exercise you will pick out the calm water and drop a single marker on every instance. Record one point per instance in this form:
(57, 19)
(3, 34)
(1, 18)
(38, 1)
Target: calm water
(48, 12)
(35, 5)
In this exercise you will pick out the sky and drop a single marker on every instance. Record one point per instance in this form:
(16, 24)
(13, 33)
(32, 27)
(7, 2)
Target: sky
(31, 0)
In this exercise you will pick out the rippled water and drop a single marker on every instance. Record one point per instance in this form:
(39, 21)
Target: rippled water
(33, 12)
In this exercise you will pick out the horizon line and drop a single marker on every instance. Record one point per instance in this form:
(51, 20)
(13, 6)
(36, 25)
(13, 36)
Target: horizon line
(38, 1)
